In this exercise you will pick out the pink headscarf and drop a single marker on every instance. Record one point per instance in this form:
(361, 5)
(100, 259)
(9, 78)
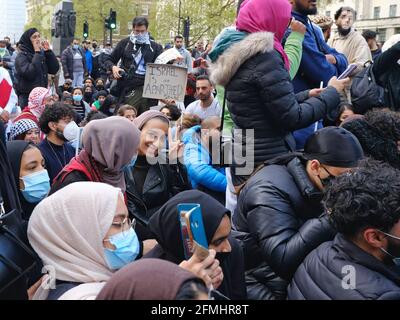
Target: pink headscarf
(36, 100)
(266, 15)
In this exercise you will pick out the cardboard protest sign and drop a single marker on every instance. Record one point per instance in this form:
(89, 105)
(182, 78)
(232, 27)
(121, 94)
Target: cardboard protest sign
(165, 81)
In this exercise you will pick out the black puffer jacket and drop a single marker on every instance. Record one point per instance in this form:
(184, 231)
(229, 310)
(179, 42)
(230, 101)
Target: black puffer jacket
(326, 275)
(279, 222)
(260, 96)
(387, 74)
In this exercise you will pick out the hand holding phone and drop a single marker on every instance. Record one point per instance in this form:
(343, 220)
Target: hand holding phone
(350, 68)
(192, 229)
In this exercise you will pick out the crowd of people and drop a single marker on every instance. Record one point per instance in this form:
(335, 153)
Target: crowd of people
(295, 169)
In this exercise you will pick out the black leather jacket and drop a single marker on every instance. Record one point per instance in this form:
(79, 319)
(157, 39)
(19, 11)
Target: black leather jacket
(162, 183)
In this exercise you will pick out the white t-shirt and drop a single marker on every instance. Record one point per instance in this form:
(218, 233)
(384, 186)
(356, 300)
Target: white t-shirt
(213, 110)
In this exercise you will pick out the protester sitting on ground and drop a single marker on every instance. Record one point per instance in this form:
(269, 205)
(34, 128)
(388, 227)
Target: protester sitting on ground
(66, 87)
(165, 226)
(201, 143)
(92, 115)
(279, 214)
(25, 130)
(88, 94)
(346, 110)
(100, 85)
(362, 262)
(128, 112)
(39, 98)
(153, 279)
(207, 105)
(31, 177)
(109, 106)
(55, 150)
(379, 134)
(100, 96)
(81, 107)
(171, 112)
(84, 233)
(153, 180)
(185, 122)
(109, 146)
(259, 92)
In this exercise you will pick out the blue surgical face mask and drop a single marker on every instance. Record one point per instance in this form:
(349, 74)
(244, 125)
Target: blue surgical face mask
(77, 98)
(37, 186)
(76, 46)
(131, 164)
(127, 249)
(395, 259)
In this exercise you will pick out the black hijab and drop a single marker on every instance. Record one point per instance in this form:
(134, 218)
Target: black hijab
(8, 188)
(25, 41)
(15, 150)
(107, 104)
(165, 226)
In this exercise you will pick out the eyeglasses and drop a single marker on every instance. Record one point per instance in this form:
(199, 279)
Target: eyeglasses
(125, 225)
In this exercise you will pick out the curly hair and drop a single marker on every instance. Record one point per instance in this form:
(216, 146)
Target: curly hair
(368, 196)
(174, 111)
(55, 113)
(378, 132)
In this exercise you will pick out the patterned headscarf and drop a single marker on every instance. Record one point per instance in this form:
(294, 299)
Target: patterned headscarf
(22, 126)
(36, 100)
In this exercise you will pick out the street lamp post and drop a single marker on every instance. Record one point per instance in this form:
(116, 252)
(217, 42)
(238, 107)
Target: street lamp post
(179, 18)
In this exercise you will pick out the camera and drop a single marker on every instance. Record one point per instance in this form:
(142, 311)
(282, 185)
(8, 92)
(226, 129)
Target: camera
(123, 74)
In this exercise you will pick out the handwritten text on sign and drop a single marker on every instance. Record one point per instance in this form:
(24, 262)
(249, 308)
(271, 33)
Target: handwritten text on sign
(164, 81)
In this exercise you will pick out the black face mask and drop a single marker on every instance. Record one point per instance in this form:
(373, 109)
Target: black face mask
(94, 46)
(60, 135)
(328, 180)
(88, 95)
(100, 87)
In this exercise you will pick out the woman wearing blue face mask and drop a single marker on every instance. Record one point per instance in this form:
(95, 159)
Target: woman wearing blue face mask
(31, 177)
(81, 107)
(84, 233)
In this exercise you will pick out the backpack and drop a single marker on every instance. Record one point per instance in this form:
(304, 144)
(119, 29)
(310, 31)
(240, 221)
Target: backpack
(365, 92)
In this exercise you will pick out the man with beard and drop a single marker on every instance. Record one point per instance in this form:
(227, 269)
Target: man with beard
(206, 106)
(349, 41)
(187, 61)
(319, 62)
(363, 261)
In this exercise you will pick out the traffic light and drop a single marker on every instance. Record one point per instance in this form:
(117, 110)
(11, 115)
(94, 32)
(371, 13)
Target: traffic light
(186, 30)
(113, 20)
(107, 23)
(85, 30)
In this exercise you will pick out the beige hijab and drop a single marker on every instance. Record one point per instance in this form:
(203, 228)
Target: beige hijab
(67, 231)
(112, 142)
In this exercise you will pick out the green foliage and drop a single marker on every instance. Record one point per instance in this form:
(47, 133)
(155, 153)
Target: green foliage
(208, 17)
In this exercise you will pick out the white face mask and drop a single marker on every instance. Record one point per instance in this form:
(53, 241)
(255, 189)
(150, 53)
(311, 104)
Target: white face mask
(71, 131)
